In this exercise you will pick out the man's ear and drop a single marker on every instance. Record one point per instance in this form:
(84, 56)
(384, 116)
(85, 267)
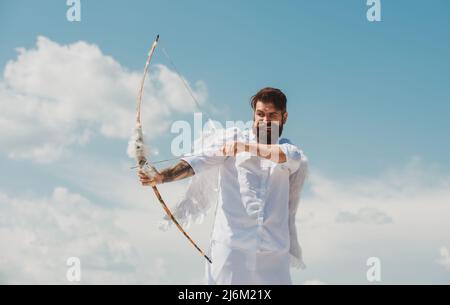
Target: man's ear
(285, 117)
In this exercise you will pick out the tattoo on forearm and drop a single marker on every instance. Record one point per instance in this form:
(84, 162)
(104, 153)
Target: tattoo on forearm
(179, 171)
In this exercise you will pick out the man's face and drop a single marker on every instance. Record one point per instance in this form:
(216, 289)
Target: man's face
(268, 122)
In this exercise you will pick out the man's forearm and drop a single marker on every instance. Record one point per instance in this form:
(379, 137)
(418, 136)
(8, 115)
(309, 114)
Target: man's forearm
(180, 171)
(270, 152)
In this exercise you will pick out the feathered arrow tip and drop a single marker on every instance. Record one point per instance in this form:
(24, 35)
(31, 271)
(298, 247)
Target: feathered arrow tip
(138, 150)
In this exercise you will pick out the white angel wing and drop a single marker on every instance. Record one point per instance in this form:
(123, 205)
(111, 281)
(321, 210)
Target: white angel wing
(202, 190)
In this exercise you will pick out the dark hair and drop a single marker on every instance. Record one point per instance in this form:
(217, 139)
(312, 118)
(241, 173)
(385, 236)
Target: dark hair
(270, 95)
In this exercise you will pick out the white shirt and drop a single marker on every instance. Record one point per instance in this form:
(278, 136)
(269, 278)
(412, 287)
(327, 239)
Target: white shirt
(252, 222)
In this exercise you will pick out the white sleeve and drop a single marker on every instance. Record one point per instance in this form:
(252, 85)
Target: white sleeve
(293, 155)
(296, 182)
(206, 152)
(204, 161)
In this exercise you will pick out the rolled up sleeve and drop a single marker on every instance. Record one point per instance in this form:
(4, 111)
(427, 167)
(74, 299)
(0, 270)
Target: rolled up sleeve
(203, 162)
(207, 157)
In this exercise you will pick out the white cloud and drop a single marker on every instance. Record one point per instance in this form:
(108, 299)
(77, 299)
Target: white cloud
(116, 237)
(364, 215)
(417, 199)
(444, 258)
(38, 235)
(55, 96)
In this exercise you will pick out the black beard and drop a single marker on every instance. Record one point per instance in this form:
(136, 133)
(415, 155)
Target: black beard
(264, 136)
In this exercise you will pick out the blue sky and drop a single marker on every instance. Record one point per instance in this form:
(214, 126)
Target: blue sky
(381, 88)
(363, 98)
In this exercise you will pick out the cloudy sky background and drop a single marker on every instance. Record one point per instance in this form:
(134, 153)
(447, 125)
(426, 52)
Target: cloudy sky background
(368, 102)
